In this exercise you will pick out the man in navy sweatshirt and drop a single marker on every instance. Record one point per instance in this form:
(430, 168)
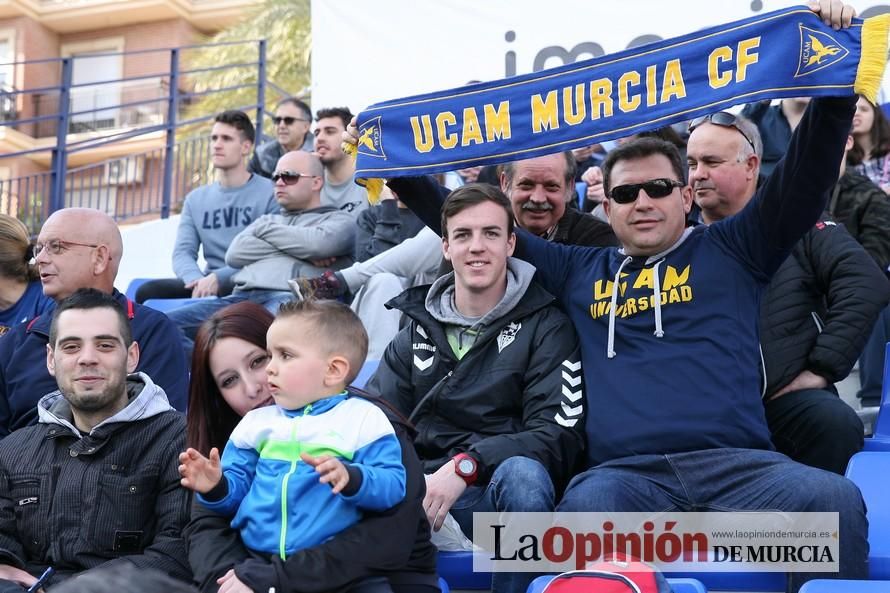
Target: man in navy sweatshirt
(81, 248)
(669, 339)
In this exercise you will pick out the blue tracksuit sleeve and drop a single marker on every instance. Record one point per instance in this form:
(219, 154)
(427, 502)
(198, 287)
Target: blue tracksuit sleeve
(383, 475)
(794, 196)
(239, 469)
(380, 463)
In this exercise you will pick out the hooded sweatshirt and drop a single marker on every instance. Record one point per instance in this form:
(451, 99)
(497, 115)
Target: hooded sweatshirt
(108, 496)
(512, 387)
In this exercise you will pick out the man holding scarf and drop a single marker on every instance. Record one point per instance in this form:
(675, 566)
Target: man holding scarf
(668, 326)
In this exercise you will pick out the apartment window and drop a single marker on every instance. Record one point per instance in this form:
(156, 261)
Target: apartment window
(94, 106)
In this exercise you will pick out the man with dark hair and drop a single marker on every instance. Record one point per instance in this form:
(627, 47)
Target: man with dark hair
(339, 190)
(94, 483)
(214, 214)
(488, 370)
(81, 248)
(669, 339)
(292, 121)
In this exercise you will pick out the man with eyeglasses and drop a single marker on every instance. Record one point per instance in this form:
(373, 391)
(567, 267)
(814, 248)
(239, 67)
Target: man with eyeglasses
(669, 339)
(816, 313)
(292, 121)
(81, 248)
(278, 247)
(339, 190)
(213, 214)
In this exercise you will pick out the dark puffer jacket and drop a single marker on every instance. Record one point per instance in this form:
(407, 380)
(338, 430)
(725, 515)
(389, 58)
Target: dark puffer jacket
(819, 308)
(864, 209)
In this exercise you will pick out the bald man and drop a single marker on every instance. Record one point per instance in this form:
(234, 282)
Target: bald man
(81, 248)
(278, 247)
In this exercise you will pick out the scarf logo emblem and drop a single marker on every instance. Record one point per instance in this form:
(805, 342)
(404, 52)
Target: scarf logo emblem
(370, 139)
(508, 335)
(818, 50)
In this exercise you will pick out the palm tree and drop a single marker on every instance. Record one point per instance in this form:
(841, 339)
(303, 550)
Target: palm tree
(286, 26)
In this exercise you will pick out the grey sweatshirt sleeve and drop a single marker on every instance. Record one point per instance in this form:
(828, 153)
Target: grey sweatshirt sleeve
(330, 237)
(409, 258)
(248, 247)
(185, 250)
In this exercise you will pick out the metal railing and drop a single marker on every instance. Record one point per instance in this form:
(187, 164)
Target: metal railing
(107, 115)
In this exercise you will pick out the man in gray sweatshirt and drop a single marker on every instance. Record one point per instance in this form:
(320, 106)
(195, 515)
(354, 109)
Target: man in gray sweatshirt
(278, 247)
(214, 214)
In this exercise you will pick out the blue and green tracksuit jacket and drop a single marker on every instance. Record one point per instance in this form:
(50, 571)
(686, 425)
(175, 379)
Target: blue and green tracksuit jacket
(279, 506)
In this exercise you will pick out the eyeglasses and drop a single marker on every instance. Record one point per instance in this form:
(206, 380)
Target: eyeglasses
(287, 120)
(57, 246)
(288, 177)
(725, 119)
(655, 188)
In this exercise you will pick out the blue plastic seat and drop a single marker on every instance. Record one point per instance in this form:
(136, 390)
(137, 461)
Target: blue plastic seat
(457, 569)
(368, 369)
(134, 285)
(443, 585)
(165, 305)
(870, 470)
(677, 585)
(880, 440)
(829, 586)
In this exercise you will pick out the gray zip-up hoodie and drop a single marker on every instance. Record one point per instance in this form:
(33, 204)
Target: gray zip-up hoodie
(278, 247)
(145, 400)
(440, 298)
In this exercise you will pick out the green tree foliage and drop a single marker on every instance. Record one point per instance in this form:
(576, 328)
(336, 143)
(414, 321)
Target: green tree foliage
(286, 26)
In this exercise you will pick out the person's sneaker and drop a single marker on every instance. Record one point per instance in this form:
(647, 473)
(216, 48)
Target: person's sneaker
(329, 285)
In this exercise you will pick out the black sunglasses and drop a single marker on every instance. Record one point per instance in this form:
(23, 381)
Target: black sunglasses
(725, 119)
(287, 120)
(288, 177)
(655, 188)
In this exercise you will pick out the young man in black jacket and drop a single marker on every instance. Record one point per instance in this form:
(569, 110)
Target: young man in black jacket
(488, 369)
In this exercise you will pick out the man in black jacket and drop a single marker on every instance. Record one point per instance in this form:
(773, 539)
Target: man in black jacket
(816, 313)
(94, 483)
(488, 369)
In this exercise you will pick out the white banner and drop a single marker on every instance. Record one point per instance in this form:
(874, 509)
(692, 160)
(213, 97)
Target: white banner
(365, 52)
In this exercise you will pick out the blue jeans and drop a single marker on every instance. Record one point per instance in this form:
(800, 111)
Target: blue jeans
(189, 318)
(871, 361)
(728, 480)
(518, 484)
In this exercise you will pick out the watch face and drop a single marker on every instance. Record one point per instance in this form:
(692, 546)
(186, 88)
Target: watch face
(466, 467)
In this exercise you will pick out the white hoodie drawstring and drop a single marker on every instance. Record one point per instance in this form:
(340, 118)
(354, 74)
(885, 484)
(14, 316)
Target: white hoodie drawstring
(656, 287)
(610, 347)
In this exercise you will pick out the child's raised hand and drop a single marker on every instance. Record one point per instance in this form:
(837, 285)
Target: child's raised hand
(332, 471)
(198, 472)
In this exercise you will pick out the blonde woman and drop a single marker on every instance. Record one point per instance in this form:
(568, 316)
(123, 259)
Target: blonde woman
(21, 295)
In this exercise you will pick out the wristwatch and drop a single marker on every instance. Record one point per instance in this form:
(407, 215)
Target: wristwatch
(466, 467)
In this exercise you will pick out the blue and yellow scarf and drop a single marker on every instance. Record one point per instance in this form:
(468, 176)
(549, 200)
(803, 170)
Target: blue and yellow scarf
(787, 53)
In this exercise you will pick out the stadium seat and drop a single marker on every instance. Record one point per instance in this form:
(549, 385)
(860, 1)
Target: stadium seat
(677, 585)
(134, 285)
(368, 369)
(830, 586)
(581, 190)
(880, 439)
(457, 570)
(166, 305)
(870, 470)
(443, 585)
